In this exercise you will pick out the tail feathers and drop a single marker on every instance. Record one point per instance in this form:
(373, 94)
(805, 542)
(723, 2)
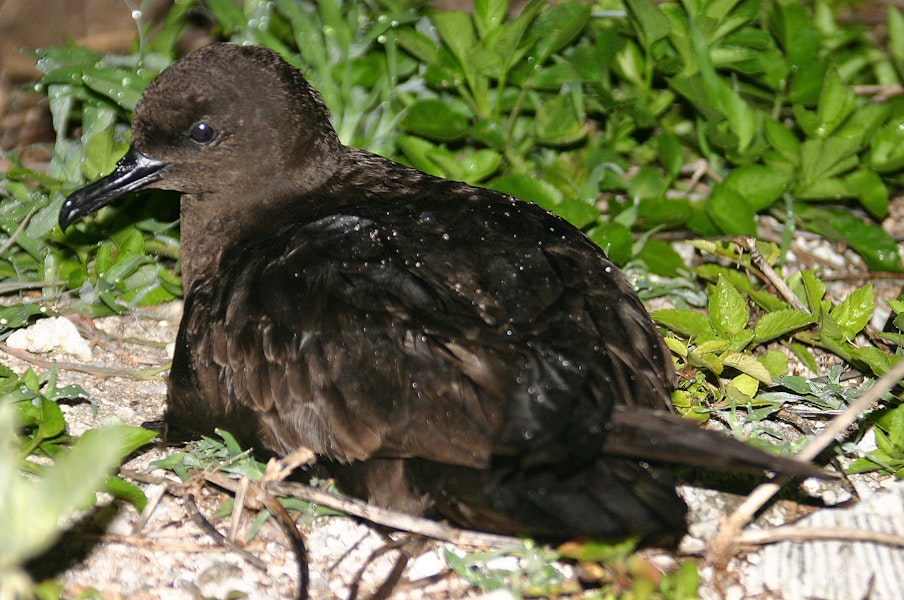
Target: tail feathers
(653, 435)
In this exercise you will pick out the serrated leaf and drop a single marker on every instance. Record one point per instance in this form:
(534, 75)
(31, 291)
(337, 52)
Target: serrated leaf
(689, 323)
(776, 324)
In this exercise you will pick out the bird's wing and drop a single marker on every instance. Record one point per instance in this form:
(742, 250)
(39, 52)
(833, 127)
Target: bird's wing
(349, 339)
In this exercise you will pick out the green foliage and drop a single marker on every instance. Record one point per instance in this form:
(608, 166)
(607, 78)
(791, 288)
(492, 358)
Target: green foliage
(889, 454)
(623, 574)
(31, 508)
(693, 117)
(525, 571)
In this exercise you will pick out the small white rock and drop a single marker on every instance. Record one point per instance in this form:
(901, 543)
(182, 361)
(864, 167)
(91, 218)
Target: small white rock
(49, 334)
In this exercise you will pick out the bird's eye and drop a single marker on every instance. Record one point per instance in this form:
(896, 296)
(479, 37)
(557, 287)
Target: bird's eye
(202, 133)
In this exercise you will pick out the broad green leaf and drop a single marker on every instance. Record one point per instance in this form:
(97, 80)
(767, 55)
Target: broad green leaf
(558, 122)
(824, 158)
(31, 510)
(528, 188)
(228, 14)
(878, 248)
(855, 311)
(745, 384)
(776, 324)
(614, 239)
(489, 15)
(782, 139)
(760, 185)
(456, 30)
(730, 211)
(418, 44)
(879, 361)
(418, 151)
(887, 147)
(836, 103)
(433, 119)
(556, 27)
(775, 362)
(479, 165)
(18, 315)
(121, 86)
(748, 364)
(689, 323)
(727, 309)
(652, 24)
(869, 188)
(661, 258)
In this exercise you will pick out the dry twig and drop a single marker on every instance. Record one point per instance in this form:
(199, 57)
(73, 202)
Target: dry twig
(723, 545)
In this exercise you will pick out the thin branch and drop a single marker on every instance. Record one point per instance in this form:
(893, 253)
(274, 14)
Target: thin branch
(795, 533)
(749, 243)
(374, 514)
(191, 507)
(12, 239)
(103, 372)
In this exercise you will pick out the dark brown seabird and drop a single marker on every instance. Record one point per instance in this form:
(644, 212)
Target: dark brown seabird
(443, 349)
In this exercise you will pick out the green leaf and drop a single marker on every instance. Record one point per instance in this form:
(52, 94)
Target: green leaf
(688, 323)
(727, 309)
(887, 147)
(556, 27)
(615, 240)
(529, 188)
(479, 165)
(836, 102)
(878, 249)
(855, 311)
(775, 362)
(456, 30)
(748, 364)
(558, 122)
(31, 510)
(894, 23)
(435, 120)
(869, 188)
(776, 324)
(489, 15)
(822, 159)
(419, 45)
(121, 86)
(228, 14)
(730, 211)
(129, 492)
(661, 258)
(651, 23)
